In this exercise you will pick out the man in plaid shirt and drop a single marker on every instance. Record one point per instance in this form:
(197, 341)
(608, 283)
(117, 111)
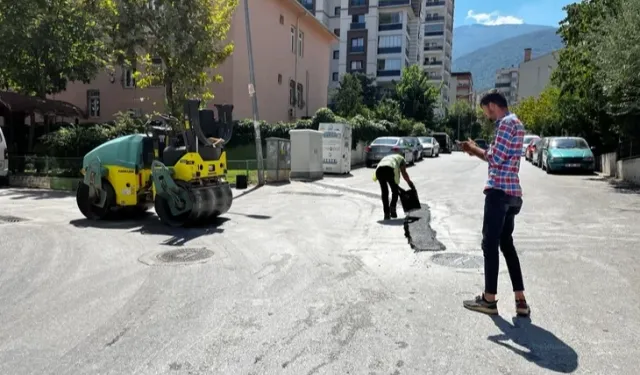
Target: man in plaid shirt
(503, 200)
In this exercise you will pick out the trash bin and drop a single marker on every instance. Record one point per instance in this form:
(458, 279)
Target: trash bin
(241, 181)
(409, 200)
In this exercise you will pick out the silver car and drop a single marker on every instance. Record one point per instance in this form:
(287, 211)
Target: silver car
(430, 147)
(525, 142)
(416, 146)
(384, 146)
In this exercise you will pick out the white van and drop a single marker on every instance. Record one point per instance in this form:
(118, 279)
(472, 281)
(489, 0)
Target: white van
(4, 158)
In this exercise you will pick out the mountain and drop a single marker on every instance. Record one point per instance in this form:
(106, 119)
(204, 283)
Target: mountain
(484, 62)
(469, 38)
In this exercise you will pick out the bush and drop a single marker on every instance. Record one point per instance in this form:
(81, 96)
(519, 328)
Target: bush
(418, 130)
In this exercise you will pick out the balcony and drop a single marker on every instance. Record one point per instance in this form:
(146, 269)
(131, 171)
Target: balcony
(389, 26)
(503, 85)
(434, 19)
(433, 48)
(435, 3)
(357, 3)
(393, 3)
(388, 73)
(356, 49)
(435, 77)
(433, 63)
(433, 33)
(388, 50)
(358, 26)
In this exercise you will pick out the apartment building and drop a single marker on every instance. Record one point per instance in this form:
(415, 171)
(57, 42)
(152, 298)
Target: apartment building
(507, 84)
(534, 74)
(291, 52)
(381, 37)
(461, 85)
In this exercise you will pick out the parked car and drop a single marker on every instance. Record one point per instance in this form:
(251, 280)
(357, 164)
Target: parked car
(430, 147)
(567, 153)
(526, 141)
(445, 142)
(383, 146)
(416, 146)
(481, 143)
(533, 145)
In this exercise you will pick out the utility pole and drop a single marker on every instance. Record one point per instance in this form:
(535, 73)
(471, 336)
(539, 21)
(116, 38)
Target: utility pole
(253, 95)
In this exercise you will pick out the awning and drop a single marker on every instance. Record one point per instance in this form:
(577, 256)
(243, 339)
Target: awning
(15, 102)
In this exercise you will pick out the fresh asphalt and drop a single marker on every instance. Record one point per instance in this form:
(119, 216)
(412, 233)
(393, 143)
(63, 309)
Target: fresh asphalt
(304, 279)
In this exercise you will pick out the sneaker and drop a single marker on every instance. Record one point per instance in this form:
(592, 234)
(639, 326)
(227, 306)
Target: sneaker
(522, 308)
(479, 304)
(394, 214)
(386, 217)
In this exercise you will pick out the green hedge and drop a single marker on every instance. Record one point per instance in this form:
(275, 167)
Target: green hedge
(76, 141)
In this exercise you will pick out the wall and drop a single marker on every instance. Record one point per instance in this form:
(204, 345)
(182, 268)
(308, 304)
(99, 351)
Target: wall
(629, 170)
(626, 169)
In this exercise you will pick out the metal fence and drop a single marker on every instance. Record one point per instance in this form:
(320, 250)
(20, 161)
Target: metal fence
(628, 149)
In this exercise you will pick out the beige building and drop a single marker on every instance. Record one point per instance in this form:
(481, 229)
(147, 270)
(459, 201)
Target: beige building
(381, 37)
(291, 51)
(507, 84)
(462, 87)
(534, 74)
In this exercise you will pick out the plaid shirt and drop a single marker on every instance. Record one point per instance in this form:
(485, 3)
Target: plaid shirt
(504, 156)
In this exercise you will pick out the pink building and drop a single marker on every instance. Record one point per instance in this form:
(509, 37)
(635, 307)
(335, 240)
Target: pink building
(288, 65)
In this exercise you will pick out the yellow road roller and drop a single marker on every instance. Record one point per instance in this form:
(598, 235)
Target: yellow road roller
(182, 174)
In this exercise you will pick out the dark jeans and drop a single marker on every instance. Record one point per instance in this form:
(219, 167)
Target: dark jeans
(500, 210)
(386, 178)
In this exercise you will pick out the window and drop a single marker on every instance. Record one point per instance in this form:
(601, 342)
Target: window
(128, 82)
(336, 54)
(292, 92)
(281, 19)
(389, 41)
(436, 28)
(357, 45)
(156, 66)
(93, 103)
(293, 39)
(336, 31)
(336, 11)
(279, 79)
(300, 96)
(356, 65)
(357, 18)
(300, 43)
(335, 77)
(389, 64)
(390, 18)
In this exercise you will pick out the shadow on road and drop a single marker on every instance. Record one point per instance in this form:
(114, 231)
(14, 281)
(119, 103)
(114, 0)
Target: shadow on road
(37, 194)
(619, 186)
(330, 176)
(543, 347)
(150, 224)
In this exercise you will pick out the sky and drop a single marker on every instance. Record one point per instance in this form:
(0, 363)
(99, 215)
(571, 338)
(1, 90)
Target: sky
(499, 12)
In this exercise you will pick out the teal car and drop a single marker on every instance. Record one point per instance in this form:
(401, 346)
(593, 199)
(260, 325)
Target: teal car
(567, 154)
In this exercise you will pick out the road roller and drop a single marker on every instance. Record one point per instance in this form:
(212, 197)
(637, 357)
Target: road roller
(181, 173)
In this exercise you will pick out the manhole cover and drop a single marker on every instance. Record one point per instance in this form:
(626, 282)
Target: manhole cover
(10, 219)
(457, 260)
(184, 255)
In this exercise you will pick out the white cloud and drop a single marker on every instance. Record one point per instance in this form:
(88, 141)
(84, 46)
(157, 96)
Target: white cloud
(493, 18)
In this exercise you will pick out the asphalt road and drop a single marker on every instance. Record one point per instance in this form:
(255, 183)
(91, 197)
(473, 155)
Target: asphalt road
(304, 280)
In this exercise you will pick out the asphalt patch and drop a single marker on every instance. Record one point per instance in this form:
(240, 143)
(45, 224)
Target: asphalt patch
(179, 256)
(417, 229)
(6, 219)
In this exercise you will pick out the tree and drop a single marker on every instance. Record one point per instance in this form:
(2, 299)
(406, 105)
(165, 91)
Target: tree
(389, 110)
(176, 44)
(348, 97)
(461, 116)
(46, 44)
(616, 45)
(541, 115)
(370, 92)
(417, 97)
(581, 97)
